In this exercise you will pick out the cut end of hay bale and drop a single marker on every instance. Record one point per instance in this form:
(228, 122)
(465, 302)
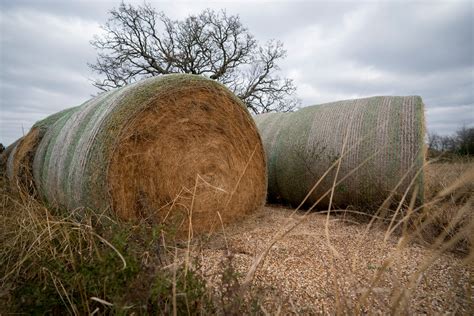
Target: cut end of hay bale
(190, 154)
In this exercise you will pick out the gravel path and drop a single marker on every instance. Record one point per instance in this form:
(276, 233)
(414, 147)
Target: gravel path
(304, 275)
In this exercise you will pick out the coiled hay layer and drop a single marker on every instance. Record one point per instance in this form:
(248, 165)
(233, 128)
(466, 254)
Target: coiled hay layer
(173, 148)
(382, 140)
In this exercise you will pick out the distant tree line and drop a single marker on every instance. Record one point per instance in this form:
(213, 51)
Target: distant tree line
(461, 142)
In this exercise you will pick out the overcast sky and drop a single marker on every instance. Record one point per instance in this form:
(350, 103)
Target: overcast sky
(336, 50)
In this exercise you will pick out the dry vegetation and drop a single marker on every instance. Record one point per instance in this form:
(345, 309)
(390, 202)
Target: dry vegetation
(440, 177)
(276, 261)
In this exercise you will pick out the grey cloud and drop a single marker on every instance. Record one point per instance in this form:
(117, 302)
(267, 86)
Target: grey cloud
(43, 66)
(87, 9)
(442, 119)
(414, 37)
(444, 88)
(336, 50)
(391, 49)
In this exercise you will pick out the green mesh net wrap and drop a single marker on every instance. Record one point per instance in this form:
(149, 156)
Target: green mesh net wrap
(383, 142)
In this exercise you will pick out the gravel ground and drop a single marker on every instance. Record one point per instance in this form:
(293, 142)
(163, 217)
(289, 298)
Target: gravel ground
(302, 274)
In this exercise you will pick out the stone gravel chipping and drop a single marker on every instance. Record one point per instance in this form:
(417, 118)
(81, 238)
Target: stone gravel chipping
(307, 277)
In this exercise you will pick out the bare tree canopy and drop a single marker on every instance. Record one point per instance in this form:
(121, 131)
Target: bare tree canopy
(462, 142)
(139, 42)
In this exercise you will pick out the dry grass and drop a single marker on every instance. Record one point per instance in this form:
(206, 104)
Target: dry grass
(276, 261)
(440, 177)
(81, 262)
(344, 264)
(309, 277)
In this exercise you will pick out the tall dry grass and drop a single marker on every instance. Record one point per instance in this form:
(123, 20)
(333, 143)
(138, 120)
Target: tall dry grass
(444, 225)
(450, 190)
(83, 262)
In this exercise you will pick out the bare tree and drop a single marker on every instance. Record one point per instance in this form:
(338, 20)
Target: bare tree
(434, 141)
(139, 42)
(448, 143)
(461, 142)
(465, 140)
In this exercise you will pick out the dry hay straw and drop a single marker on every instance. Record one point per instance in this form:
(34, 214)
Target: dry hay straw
(380, 140)
(173, 148)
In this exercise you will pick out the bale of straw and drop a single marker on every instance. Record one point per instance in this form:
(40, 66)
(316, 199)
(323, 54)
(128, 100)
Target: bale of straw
(173, 148)
(19, 156)
(382, 139)
(5, 155)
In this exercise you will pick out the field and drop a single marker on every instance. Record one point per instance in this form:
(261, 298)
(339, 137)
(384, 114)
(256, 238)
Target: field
(276, 261)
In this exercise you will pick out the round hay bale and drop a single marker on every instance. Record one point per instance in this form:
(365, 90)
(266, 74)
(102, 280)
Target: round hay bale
(384, 151)
(19, 163)
(5, 155)
(172, 148)
(19, 166)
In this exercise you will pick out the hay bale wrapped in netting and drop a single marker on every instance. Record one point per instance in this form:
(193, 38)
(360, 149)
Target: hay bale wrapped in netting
(174, 148)
(19, 155)
(384, 150)
(5, 155)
